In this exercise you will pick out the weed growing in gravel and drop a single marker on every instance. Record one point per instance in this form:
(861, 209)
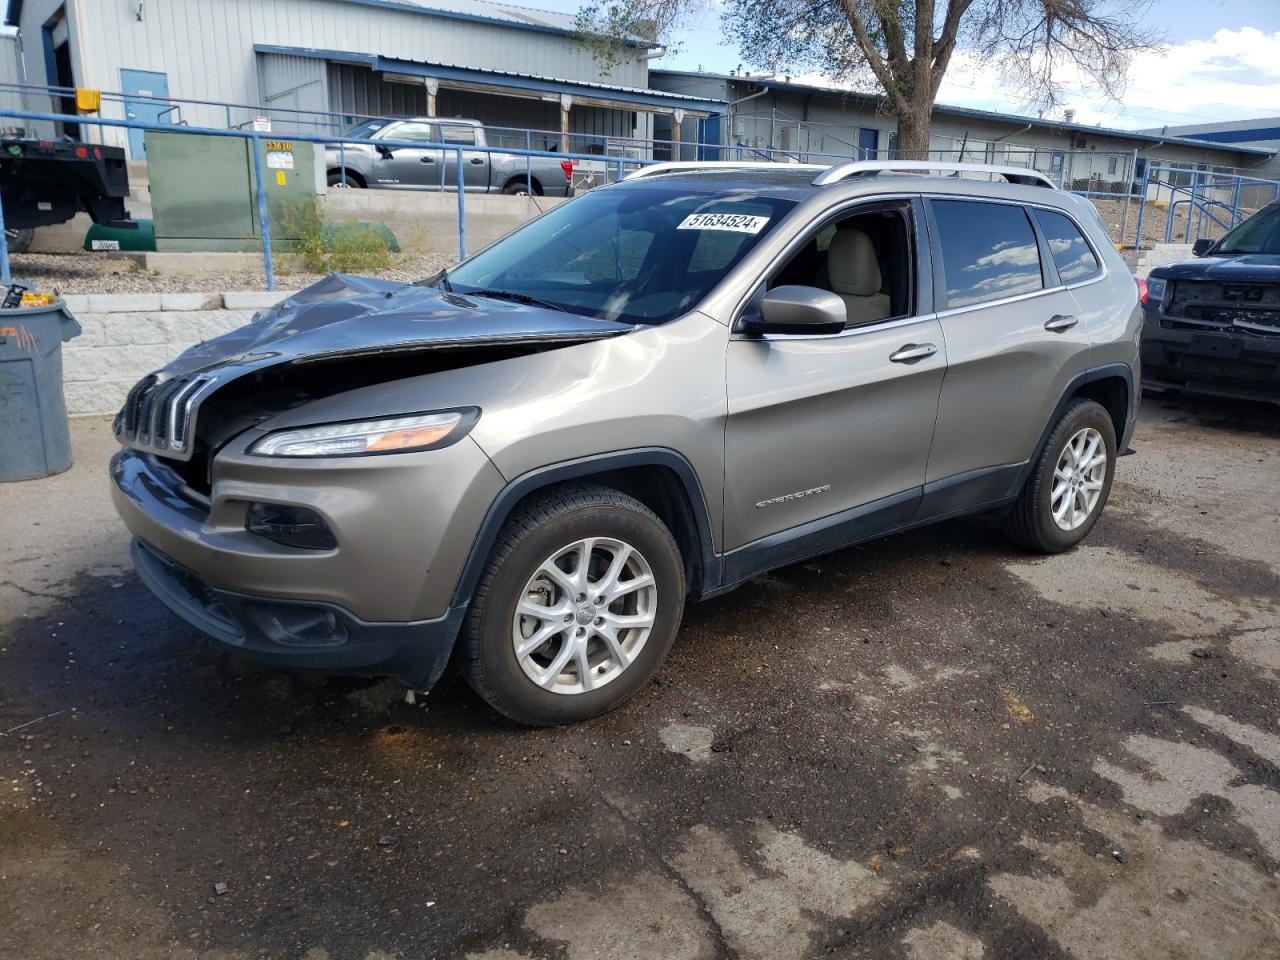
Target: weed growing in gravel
(344, 247)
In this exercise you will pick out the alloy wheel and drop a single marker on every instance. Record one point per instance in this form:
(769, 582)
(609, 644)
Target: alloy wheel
(584, 615)
(1078, 479)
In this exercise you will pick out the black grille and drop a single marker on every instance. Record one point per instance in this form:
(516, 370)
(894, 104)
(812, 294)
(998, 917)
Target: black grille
(1227, 307)
(133, 404)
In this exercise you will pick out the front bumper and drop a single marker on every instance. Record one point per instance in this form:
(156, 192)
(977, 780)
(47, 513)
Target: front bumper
(298, 635)
(382, 602)
(1239, 365)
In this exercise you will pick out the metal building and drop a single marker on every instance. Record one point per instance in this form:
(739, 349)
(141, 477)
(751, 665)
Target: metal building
(299, 60)
(777, 116)
(1262, 132)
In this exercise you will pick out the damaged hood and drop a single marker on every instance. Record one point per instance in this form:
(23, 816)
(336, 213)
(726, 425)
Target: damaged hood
(339, 317)
(347, 315)
(1241, 268)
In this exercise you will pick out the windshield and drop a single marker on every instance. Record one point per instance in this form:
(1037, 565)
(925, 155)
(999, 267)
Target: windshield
(641, 255)
(1259, 234)
(366, 129)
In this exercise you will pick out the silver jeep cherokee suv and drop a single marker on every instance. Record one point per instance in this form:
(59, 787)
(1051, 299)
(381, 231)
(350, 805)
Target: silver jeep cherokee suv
(651, 393)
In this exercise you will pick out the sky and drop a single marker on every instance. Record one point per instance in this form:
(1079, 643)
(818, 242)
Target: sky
(1219, 60)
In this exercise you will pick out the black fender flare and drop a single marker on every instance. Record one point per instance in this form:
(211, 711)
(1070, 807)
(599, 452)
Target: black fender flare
(583, 469)
(1092, 375)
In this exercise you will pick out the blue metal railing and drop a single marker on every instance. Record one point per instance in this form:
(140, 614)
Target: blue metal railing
(1155, 177)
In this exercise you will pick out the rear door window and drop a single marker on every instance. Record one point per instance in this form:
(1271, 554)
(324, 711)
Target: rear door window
(1074, 257)
(412, 131)
(989, 251)
(458, 133)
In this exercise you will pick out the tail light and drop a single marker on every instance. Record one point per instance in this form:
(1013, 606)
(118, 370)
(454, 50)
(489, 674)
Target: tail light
(1142, 289)
(567, 167)
(82, 153)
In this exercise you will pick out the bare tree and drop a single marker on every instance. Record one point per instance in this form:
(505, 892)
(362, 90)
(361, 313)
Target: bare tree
(902, 48)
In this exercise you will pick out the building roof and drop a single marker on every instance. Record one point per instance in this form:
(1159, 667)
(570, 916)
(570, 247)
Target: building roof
(1258, 130)
(968, 112)
(479, 11)
(637, 96)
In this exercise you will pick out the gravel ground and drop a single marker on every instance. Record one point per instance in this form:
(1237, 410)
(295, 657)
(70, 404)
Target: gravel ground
(930, 747)
(85, 272)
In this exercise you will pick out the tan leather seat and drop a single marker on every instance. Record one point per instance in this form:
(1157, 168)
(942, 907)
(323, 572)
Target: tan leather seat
(855, 275)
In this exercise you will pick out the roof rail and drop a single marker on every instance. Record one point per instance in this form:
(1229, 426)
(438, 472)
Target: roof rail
(1025, 176)
(679, 166)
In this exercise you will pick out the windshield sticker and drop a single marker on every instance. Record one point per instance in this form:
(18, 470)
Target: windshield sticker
(737, 222)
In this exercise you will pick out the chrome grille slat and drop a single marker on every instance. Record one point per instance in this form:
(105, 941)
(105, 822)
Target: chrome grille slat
(157, 414)
(163, 398)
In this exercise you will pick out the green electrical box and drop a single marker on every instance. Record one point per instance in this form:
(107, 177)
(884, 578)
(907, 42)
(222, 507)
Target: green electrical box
(203, 192)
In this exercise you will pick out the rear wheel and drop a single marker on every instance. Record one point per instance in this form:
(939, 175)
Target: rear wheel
(339, 179)
(577, 607)
(520, 186)
(19, 241)
(1069, 484)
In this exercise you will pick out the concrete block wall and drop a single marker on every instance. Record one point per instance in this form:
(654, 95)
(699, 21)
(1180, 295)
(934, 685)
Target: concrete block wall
(126, 336)
(427, 222)
(423, 221)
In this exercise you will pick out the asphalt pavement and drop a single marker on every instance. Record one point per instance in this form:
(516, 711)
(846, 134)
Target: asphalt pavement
(930, 747)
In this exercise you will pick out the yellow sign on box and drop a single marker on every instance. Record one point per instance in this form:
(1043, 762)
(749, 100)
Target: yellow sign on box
(280, 177)
(88, 101)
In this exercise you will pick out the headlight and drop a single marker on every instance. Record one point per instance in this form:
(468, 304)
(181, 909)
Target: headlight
(1155, 290)
(422, 431)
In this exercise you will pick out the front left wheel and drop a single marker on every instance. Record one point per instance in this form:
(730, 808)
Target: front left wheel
(577, 606)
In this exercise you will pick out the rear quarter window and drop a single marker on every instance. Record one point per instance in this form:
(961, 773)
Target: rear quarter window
(1072, 254)
(989, 251)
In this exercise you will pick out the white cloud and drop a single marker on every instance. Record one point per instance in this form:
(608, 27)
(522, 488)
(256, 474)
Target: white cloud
(1232, 75)
(1012, 254)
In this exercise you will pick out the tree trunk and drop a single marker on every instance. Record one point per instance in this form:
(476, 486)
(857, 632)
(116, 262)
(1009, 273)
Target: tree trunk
(913, 131)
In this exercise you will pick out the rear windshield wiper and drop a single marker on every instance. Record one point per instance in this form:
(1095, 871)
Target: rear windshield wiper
(516, 298)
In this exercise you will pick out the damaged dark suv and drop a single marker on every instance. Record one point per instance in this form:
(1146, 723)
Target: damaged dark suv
(1212, 325)
(652, 393)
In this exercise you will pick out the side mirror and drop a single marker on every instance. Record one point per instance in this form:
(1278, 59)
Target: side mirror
(1201, 246)
(384, 152)
(803, 310)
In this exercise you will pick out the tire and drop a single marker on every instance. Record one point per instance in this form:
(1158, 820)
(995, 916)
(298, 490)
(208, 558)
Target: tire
(1031, 521)
(539, 532)
(516, 187)
(19, 240)
(337, 179)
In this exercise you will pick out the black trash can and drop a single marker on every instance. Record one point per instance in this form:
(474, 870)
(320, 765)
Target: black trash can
(35, 439)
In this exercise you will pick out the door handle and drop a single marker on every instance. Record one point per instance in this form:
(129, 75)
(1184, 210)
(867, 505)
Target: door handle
(913, 352)
(1060, 322)
(427, 160)
(477, 160)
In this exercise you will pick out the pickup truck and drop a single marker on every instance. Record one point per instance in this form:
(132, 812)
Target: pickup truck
(369, 163)
(1212, 324)
(48, 181)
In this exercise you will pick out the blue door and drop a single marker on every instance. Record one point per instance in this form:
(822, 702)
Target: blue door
(868, 143)
(709, 138)
(138, 87)
(1055, 166)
